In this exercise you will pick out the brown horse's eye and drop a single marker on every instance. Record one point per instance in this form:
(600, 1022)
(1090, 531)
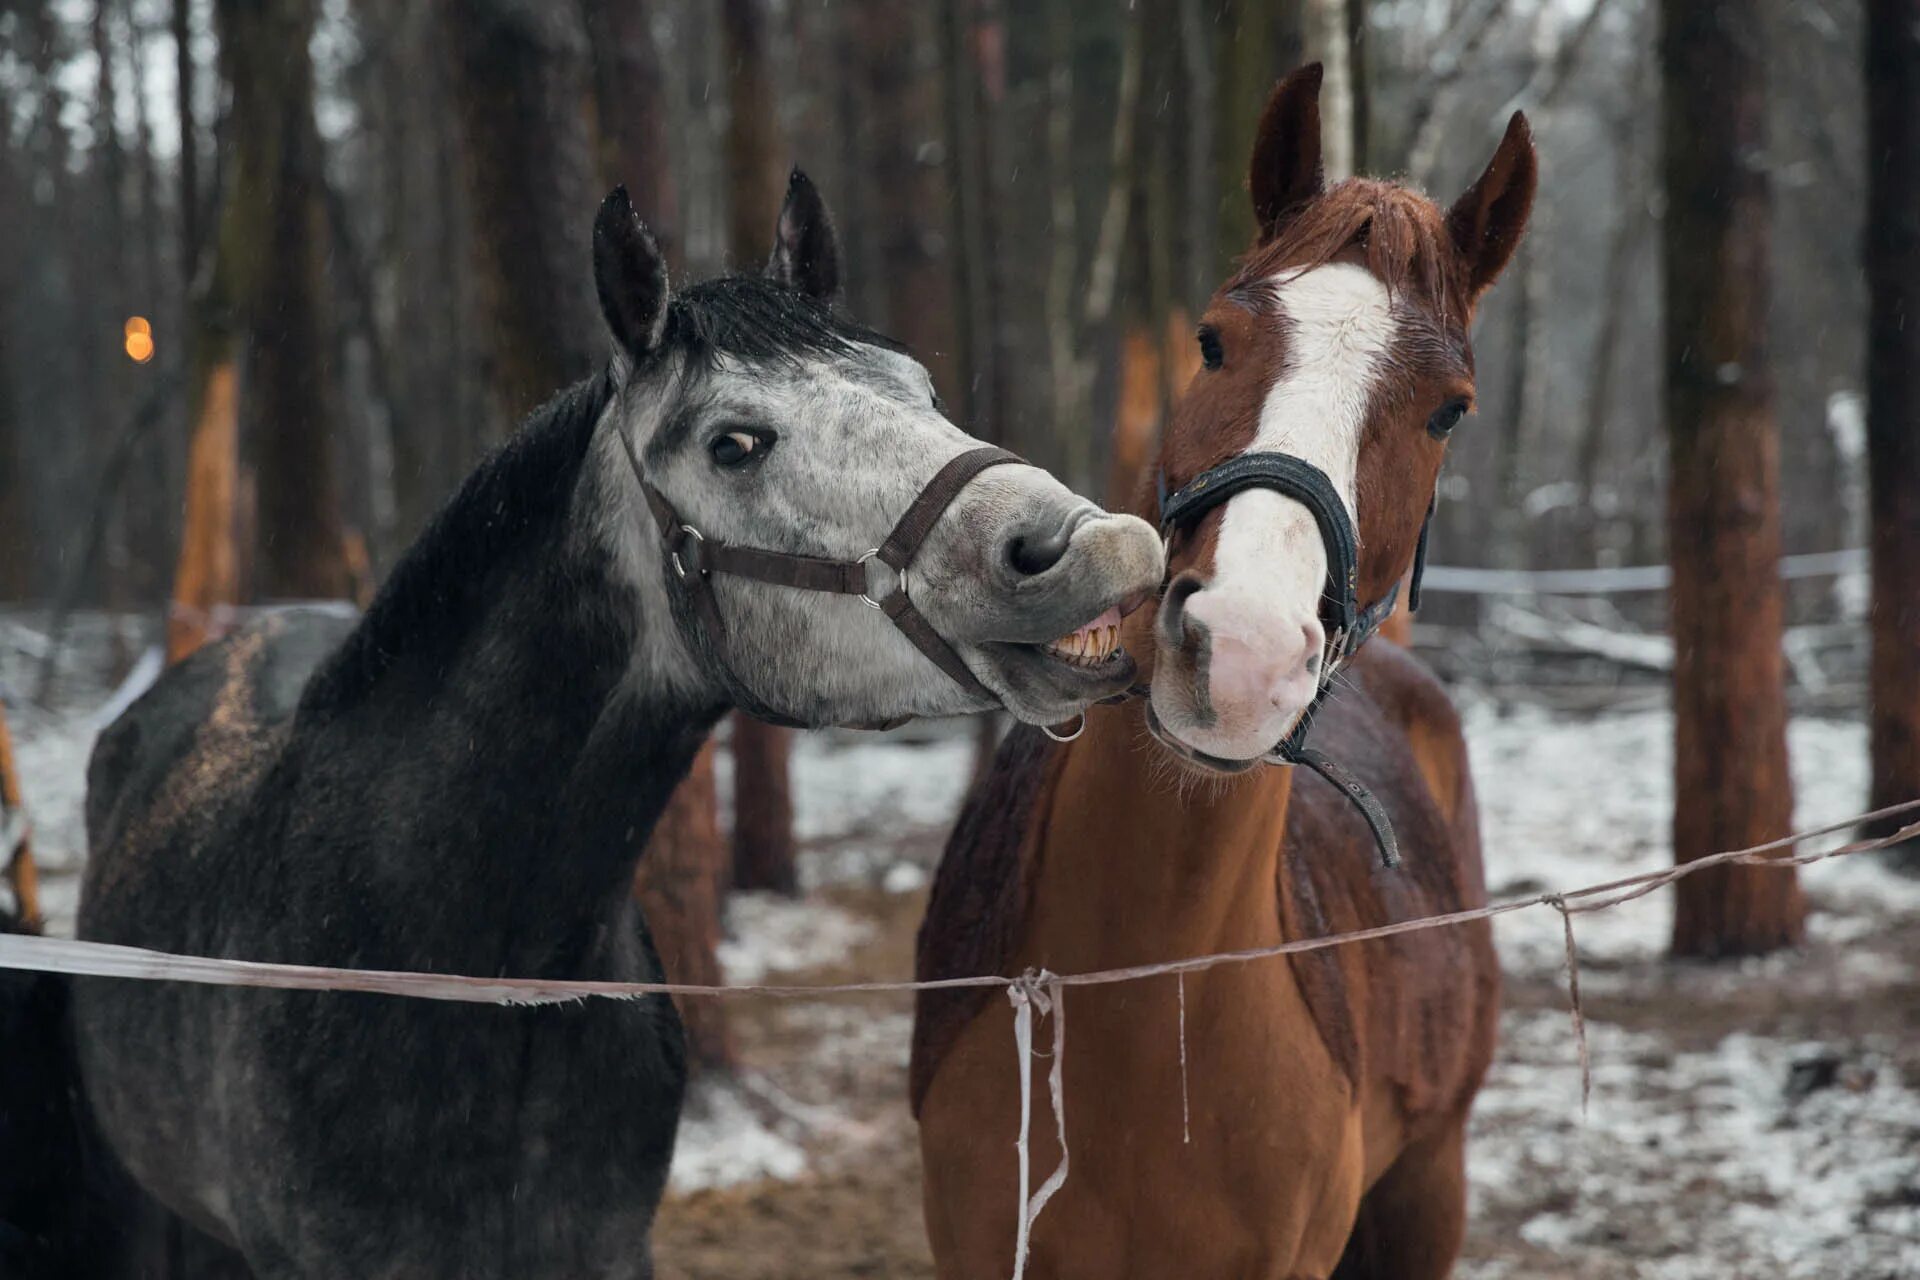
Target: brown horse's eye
(1210, 353)
(1442, 423)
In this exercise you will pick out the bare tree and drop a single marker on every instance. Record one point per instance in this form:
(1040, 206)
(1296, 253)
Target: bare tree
(763, 848)
(633, 114)
(680, 885)
(1893, 393)
(1731, 785)
(520, 81)
(273, 246)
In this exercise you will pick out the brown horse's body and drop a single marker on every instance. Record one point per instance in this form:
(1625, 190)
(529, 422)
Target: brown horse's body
(1323, 1089)
(1317, 1127)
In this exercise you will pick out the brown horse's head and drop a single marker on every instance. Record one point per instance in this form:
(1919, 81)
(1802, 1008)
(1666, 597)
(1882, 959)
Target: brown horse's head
(1342, 340)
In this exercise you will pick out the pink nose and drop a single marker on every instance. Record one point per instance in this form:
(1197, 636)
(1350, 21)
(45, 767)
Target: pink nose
(1256, 662)
(1250, 677)
(1254, 678)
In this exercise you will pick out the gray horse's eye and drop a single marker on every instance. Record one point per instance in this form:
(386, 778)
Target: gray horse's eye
(738, 447)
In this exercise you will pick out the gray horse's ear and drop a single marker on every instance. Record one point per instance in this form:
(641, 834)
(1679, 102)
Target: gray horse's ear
(630, 274)
(806, 252)
(1286, 170)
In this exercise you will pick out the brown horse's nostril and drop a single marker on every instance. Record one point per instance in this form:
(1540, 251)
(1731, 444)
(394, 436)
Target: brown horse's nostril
(1178, 629)
(1032, 554)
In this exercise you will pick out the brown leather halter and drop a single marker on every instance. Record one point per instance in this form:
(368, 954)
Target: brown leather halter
(693, 559)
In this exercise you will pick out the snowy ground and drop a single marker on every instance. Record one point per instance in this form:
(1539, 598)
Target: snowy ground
(1755, 1120)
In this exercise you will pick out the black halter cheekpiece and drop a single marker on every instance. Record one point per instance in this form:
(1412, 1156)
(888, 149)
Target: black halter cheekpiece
(693, 559)
(1347, 623)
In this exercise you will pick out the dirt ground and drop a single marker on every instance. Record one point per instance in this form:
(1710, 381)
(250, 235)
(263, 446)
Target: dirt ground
(1759, 1120)
(857, 1210)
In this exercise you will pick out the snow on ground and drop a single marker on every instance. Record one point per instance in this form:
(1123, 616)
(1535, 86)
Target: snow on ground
(769, 935)
(1795, 1159)
(1713, 1147)
(1566, 803)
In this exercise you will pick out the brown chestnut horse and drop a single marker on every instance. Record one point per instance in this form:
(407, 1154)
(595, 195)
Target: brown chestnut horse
(1328, 1091)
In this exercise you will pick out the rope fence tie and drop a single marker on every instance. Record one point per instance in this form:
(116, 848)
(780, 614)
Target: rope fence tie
(1041, 991)
(1574, 1010)
(1186, 1116)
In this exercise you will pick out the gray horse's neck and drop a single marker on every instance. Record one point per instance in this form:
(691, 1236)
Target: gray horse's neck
(519, 701)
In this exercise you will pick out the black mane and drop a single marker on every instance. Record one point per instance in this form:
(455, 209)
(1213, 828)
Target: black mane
(519, 493)
(754, 319)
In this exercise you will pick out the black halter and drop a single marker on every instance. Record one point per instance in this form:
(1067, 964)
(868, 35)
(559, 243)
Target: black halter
(1348, 625)
(693, 559)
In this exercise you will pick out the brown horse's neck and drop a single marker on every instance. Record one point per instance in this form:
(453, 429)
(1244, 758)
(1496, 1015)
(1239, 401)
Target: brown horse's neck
(1139, 863)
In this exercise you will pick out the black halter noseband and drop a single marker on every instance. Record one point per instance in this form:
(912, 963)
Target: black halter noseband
(693, 559)
(1348, 625)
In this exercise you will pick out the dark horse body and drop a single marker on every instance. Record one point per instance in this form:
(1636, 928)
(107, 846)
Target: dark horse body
(463, 781)
(487, 785)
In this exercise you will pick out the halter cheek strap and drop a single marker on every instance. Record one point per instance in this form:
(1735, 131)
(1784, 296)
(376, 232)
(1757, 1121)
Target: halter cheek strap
(693, 559)
(1347, 624)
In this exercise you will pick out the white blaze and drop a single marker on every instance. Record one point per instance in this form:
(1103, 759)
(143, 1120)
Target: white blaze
(1339, 328)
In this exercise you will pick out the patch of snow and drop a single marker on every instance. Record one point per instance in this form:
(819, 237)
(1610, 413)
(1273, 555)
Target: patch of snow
(724, 1142)
(904, 877)
(1566, 803)
(1693, 1166)
(843, 787)
(769, 934)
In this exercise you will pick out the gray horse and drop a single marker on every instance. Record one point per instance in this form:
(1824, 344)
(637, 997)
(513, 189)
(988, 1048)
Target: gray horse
(463, 780)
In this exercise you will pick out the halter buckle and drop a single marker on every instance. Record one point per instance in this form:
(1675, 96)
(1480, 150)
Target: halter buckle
(673, 557)
(900, 579)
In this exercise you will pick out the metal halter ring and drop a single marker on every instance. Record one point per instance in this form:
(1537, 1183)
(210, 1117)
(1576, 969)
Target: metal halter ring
(901, 580)
(1079, 728)
(678, 567)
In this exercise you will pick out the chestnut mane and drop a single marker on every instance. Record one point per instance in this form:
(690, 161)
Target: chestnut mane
(1402, 233)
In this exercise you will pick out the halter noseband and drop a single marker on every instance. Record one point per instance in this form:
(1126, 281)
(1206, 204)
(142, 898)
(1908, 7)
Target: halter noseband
(693, 559)
(1347, 624)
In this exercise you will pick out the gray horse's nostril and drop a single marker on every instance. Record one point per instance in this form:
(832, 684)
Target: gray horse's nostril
(1031, 554)
(1034, 550)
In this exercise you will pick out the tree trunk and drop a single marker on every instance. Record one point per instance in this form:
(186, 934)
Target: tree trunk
(1261, 41)
(1623, 237)
(17, 859)
(16, 560)
(189, 158)
(680, 886)
(755, 170)
(207, 578)
(520, 82)
(1328, 43)
(1893, 397)
(632, 116)
(1360, 90)
(273, 238)
(1731, 784)
(901, 95)
(763, 850)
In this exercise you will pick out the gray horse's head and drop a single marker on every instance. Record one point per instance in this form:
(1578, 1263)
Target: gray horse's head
(767, 421)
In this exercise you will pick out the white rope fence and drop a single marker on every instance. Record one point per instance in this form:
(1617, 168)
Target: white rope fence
(1034, 993)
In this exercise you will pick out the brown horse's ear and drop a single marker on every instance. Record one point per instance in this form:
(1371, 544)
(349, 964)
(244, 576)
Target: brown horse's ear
(1286, 171)
(1486, 223)
(806, 252)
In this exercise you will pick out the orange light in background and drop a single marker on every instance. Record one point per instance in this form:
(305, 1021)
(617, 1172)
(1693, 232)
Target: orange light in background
(139, 339)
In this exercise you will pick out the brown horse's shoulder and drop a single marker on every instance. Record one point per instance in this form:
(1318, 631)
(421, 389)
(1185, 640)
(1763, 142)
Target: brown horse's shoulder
(980, 896)
(1411, 1011)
